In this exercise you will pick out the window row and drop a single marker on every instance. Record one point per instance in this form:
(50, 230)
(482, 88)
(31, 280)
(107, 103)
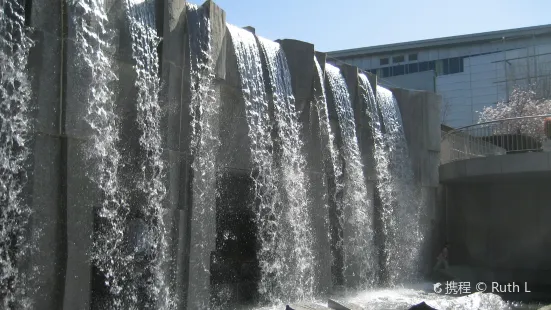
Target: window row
(441, 67)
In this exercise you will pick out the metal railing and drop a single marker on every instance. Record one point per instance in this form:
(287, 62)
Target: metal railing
(499, 137)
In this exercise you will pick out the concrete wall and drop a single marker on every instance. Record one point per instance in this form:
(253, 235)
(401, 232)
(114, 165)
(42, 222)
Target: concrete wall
(416, 81)
(64, 198)
(498, 229)
(420, 111)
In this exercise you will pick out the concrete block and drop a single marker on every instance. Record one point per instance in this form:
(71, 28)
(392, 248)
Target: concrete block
(483, 166)
(82, 197)
(430, 162)
(171, 100)
(454, 170)
(350, 74)
(250, 29)
(218, 38)
(48, 220)
(412, 112)
(322, 58)
(525, 162)
(320, 217)
(44, 66)
(300, 59)
(372, 78)
(234, 130)
(173, 24)
(432, 105)
(46, 16)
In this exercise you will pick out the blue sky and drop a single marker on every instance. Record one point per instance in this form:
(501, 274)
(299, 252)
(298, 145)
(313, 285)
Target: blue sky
(334, 25)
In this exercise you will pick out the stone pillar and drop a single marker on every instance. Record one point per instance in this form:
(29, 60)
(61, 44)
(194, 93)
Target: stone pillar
(420, 112)
(300, 59)
(203, 235)
(171, 23)
(47, 261)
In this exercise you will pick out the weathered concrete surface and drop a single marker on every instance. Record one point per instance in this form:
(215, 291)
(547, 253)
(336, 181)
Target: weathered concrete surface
(203, 235)
(420, 113)
(494, 166)
(82, 196)
(47, 263)
(499, 227)
(300, 59)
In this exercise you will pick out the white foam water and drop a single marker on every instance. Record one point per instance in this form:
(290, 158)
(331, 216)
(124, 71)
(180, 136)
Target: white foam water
(296, 272)
(357, 215)
(153, 282)
(15, 96)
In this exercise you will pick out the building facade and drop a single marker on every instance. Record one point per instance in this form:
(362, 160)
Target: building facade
(470, 72)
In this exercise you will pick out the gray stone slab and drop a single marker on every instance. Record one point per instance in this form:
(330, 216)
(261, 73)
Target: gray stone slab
(451, 171)
(525, 162)
(47, 261)
(234, 139)
(250, 29)
(483, 166)
(433, 103)
(82, 197)
(44, 66)
(46, 16)
(429, 168)
(320, 225)
(171, 100)
(300, 58)
(219, 35)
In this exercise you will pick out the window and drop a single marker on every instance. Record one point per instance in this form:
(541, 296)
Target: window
(432, 65)
(385, 72)
(383, 61)
(445, 66)
(424, 66)
(412, 68)
(398, 59)
(398, 70)
(412, 57)
(456, 65)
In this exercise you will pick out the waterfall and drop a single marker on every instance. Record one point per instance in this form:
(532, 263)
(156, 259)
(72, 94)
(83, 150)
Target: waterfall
(398, 191)
(204, 144)
(92, 41)
(15, 126)
(149, 181)
(296, 274)
(268, 208)
(357, 214)
(332, 167)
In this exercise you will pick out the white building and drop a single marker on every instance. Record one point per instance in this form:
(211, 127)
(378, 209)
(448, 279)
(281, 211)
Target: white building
(469, 71)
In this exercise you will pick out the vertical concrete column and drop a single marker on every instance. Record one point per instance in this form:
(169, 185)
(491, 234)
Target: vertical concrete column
(203, 235)
(171, 23)
(420, 107)
(46, 268)
(300, 58)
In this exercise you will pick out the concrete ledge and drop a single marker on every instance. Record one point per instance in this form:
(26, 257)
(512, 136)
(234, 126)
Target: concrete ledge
(492, 166)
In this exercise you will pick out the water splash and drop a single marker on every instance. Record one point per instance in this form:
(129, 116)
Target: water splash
(269, 210)
(357, 213)
(398, 191)
(296, 274)
(92, 43)
(204, 142)
(150, 179)
(332, 168)
(15, 95)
